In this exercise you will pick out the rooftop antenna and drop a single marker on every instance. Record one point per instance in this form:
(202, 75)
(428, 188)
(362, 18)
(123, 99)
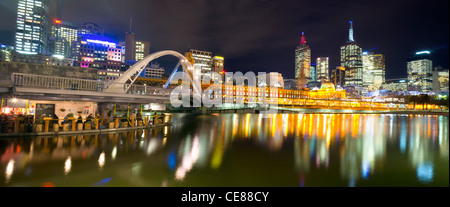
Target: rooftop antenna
(131, 22)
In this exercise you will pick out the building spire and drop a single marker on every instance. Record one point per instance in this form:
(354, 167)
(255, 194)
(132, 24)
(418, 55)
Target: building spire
(350, 35)
(302, 39)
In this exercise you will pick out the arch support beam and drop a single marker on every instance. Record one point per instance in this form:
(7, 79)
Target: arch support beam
(120, 86)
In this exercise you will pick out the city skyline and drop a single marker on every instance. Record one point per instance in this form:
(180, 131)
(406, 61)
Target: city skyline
(268, 44)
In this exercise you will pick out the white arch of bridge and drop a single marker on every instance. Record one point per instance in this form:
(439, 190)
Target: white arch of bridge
(118, 86)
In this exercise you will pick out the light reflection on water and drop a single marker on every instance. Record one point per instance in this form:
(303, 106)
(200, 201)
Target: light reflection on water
(242, 150)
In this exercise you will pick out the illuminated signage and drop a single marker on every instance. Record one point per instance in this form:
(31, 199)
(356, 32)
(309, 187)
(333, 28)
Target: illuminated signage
(57, 21)
(111, 44)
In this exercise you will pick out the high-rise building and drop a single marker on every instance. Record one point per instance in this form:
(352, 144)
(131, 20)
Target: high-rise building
(62, 35)
(352, 61)
(32, 27)
(87, 28)
(338, 76)
(202, 62)
(440, 79)
(91, 28)
(313, 72)
(373, 70)
(322, 64)
(420, 68)
(130, 47)
(142, 49)
(302, 63)
(218, 66)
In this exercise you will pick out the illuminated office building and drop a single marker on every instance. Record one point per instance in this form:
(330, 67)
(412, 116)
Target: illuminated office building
(32, 27)
(142, 49)
(62, 35)
(201, 61)
(322, 64)
(302, 63)
(419, 69)
(373, 70)
(99, 52)
(218, 65)
(395, 85)
(352, 61)
(440, 79)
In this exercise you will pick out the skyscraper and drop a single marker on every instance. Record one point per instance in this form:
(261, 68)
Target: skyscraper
(313, 72)
(373, 70)
(338, 76)
(302, 63)
(62, 35)
(322, 64)
(130, 47)
(352, 61)
(420, 69)
(32, 27)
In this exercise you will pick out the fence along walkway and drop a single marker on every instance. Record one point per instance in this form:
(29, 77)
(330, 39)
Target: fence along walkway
(63, 83)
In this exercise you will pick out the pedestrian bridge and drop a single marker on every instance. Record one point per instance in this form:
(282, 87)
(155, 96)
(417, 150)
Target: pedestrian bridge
(41, 87)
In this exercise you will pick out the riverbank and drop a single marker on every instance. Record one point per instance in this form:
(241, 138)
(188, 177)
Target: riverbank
(94, 131)
(283, 110)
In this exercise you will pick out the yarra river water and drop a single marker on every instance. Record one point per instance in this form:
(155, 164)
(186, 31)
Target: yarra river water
(241, 150)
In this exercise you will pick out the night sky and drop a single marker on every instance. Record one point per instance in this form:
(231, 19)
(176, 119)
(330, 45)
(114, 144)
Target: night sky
(261, 35)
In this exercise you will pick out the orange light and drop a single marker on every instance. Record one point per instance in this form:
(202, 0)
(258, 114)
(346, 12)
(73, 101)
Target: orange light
(57, 21)
(49, 184)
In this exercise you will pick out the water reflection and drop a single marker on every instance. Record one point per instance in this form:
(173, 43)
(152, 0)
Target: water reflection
(282, 150)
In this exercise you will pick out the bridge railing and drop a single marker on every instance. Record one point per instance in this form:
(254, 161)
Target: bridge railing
(51, 82)
(63, 83)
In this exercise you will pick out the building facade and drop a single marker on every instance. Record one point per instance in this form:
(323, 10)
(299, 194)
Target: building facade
(440, 79)
(91, 28)
(396, 85)
(130, 47)
(302, 63)
(32, 27)
(338, 76)
(419, 69)
(373, 70)
(41, 59)
(154, 70)
(99, 52)
(322, 64)
(62, 34)
(201, 61)
(351, 59)
(142, 49)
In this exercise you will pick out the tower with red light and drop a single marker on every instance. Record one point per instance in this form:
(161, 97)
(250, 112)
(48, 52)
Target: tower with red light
(302, 63)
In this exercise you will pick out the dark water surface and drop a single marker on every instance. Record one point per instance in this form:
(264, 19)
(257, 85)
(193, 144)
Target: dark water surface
(241, 150)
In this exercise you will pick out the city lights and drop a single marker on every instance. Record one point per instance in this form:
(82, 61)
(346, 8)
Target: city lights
(184, 94)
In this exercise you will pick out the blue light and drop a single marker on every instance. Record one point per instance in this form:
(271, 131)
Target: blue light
(351, 22)
(425, 172)
(365, 170)
(172, 160)
(365, 53)
(423, 52)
